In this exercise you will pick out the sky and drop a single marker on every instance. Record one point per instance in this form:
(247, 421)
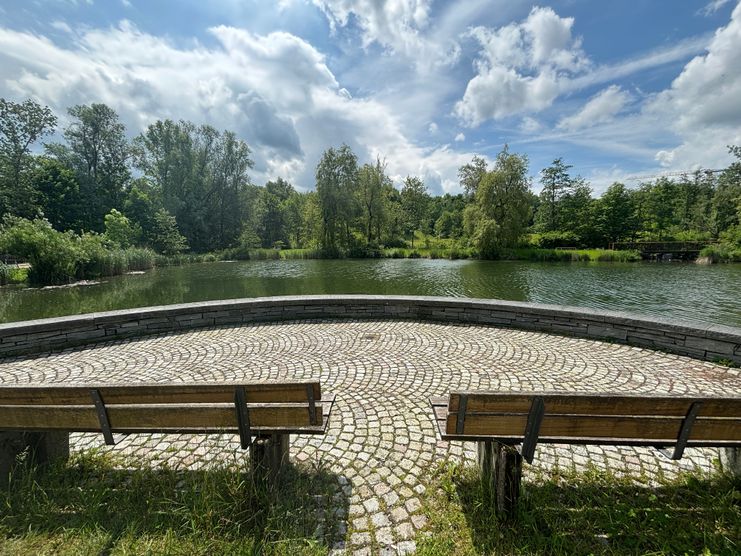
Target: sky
(617, 89)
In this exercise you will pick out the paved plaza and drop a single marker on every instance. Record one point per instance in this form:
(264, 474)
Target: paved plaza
(381, 441)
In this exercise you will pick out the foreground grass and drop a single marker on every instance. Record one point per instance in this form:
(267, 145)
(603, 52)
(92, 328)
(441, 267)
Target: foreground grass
(92, 506)
(588, 513)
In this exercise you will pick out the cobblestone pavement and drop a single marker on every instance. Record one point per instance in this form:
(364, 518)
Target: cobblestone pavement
(381, 438)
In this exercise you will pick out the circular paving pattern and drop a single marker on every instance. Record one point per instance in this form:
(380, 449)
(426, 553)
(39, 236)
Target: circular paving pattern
(381, 439)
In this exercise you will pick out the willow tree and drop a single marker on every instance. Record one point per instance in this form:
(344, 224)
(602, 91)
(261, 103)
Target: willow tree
(500, 213)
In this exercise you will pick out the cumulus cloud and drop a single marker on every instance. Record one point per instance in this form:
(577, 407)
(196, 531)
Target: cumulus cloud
(702, 105)
(276, 91)
(601, 108)
(398, 25)
(521, 67)
(460, 137)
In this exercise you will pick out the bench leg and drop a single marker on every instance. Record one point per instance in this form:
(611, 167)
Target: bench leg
(44, 448)
(730, 461)
(268, 453)
(501, 471)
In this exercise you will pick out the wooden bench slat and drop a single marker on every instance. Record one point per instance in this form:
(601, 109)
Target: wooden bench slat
(663, 430)
(595, 405)
(157, 417)
(157, 393)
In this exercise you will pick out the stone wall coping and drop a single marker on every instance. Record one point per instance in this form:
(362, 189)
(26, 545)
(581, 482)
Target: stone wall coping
(686, 337)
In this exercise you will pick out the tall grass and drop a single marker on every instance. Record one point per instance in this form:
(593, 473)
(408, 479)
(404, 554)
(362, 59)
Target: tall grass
(99, 504)
(569, 255)
(594, 512)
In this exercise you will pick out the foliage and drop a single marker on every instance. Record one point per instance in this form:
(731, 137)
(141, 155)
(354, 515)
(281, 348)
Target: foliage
(59, 193)
(99, 504)
(120, 231)
(21, 125)
(164, 235)
(336, 176)
(551, 240)
(594, 512)
(53, 255)
(499, 215)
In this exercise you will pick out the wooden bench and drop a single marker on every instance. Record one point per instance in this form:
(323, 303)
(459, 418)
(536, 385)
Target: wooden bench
(40, 417)
(501, 421)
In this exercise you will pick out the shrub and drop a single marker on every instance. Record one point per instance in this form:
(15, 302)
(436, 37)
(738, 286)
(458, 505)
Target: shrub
(53, 255)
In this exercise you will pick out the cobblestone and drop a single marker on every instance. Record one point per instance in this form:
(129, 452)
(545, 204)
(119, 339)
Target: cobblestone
(381, 440)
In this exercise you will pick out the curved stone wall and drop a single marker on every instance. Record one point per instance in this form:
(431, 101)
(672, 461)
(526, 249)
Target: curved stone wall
(711, 342)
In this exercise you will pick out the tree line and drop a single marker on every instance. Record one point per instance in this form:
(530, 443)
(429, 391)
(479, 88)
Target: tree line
(178, 186)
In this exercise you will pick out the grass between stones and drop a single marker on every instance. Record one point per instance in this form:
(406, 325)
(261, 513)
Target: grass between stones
(96, 505)
(593, 512)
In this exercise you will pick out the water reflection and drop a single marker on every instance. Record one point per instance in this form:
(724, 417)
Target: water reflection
(701, 293)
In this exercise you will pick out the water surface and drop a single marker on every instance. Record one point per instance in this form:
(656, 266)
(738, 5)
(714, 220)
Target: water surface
(709, 294)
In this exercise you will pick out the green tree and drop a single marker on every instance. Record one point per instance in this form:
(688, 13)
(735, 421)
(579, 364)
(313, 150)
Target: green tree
(471, 174)
(617, 213)
(164, 236)
(58, 193)
(336, 178)
(555, 180)
(21, 125)
(371, 179)
(120, 231)
(414, 204)
(98, 151)
(726, 203)
(501, 210)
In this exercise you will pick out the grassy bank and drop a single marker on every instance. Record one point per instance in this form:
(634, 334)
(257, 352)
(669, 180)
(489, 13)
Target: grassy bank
(721, 253)
(588, 513)
(101, 505)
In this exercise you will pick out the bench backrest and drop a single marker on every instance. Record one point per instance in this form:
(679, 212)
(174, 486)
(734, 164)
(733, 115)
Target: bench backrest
(592, 419)
(290, 407)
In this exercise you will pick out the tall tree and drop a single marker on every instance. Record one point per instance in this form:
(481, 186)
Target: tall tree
(500, 214)
(59, 194)
(414, 204)
(618, 213)
(98, 151)
(555, 180)
(336, 178)
(21, 125)
(471, 174)
(371, 181)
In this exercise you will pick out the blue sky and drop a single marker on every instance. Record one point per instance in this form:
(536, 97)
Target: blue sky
(617, 89)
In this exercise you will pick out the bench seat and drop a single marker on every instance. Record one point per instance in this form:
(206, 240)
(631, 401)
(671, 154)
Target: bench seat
(263, 414)
(500, 421)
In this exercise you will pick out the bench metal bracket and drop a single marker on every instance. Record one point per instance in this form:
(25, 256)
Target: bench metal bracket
(243, 417)
(461, 418)
(684, 431)
(532, 429)
(105, 424)
(312, 404)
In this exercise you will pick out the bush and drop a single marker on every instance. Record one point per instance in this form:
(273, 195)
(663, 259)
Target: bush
(551, 240)
(53, 255)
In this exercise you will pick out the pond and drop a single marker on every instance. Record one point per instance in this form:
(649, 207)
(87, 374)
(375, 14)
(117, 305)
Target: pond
(706, 294)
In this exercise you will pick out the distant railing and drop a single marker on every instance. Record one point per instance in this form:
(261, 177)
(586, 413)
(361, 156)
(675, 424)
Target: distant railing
(648, 247)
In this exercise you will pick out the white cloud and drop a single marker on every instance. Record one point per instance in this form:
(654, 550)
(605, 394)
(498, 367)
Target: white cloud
(702, 105)
(432, 128)
(460, 137)
(530, 125)
(521, 68)
(712, 7)
(274, 90)
(398, 25)
(601, 108)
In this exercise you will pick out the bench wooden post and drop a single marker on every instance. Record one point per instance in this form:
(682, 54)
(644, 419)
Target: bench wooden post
(730, 461)
(44, 448)
(268, 453)
(501, 472)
